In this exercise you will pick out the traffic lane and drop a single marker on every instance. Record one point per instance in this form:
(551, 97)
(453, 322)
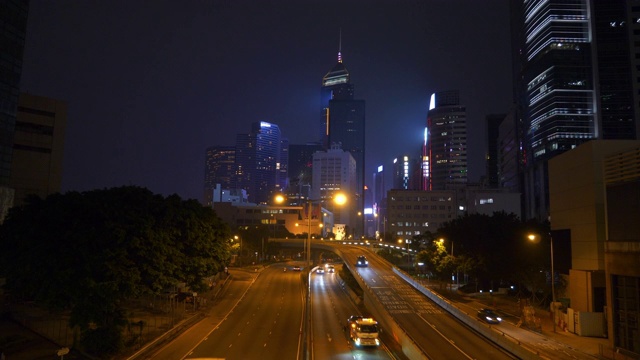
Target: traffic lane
(541, 344)
(331, 308)
(329, 340)
(444, 333)
(218, 309)
(264, 325)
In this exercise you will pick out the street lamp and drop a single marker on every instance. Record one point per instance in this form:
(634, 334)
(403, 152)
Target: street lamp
(533, 238)
(338, 199)
(236, 237)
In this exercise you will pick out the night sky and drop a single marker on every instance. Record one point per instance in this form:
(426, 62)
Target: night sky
(151, 84)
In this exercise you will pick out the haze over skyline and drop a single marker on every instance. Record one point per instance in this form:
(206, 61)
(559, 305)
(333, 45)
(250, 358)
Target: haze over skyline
(150, 87)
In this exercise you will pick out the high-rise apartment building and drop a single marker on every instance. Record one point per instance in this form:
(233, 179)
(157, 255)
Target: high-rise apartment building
(258, 154)
(343, 122)
(38, 147)
(220, 168)
(446, 142)
(13, 20)
(334, 171)
(579, 81)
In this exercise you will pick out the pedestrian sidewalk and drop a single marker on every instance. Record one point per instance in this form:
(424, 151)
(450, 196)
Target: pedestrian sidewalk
(507, 305)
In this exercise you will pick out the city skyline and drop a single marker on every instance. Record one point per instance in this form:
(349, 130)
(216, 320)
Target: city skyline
(148, 97)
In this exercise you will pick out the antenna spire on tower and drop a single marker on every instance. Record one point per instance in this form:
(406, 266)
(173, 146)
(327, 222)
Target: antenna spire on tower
(340, 47)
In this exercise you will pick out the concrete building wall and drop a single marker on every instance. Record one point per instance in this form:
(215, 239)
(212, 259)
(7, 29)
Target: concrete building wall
(577, 204)
(622, 248)
(38, 146)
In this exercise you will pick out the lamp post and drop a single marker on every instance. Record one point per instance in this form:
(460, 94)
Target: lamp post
(338, 198)
(236, 237)
(456, 265)
(532, 238)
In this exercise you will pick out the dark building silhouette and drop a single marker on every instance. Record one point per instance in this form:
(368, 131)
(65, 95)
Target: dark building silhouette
(13, 27)
(493, 148)
(220, 168)
(300, 171)
(38, 147)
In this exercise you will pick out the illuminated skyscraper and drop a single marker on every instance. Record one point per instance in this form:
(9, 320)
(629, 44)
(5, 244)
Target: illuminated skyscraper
(343, 121)
(446, 142)
(579, 81)
(258, 154)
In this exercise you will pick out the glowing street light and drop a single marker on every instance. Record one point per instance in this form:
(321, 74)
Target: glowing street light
(534, 238)
(338, 199)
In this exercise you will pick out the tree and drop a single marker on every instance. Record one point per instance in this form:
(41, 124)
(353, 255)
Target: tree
(493, 248)
(89, 252)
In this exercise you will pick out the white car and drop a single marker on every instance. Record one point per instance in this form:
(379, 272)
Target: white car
(320, 270)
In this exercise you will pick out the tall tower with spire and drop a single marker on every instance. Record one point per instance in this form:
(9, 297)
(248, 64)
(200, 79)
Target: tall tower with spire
(343, 125)
(335, 85)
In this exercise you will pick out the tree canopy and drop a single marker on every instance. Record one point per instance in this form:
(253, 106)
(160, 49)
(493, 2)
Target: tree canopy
(88, 252)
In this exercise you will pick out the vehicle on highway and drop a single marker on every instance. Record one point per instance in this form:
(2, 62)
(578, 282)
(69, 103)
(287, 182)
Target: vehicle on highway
(363, 331)
(362, 261)
(320, 270)
(489, 316)
(296, 268)
(331, 269)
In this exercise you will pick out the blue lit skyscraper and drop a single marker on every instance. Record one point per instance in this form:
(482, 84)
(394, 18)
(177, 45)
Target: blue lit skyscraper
(258, 154)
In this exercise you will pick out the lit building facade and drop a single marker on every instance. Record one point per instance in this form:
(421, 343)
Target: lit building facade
(446, 141)
(579, 70)
(257, 157)
(413, 213)
(343, 124)
(334, 171)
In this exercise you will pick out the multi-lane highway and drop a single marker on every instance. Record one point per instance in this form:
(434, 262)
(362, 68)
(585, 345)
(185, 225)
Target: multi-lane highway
(260, 315)
(437, 333)
(331, 307)
(266, 324)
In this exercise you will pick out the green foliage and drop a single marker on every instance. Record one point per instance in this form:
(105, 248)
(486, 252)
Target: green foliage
(392, 256)
(90, 252)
